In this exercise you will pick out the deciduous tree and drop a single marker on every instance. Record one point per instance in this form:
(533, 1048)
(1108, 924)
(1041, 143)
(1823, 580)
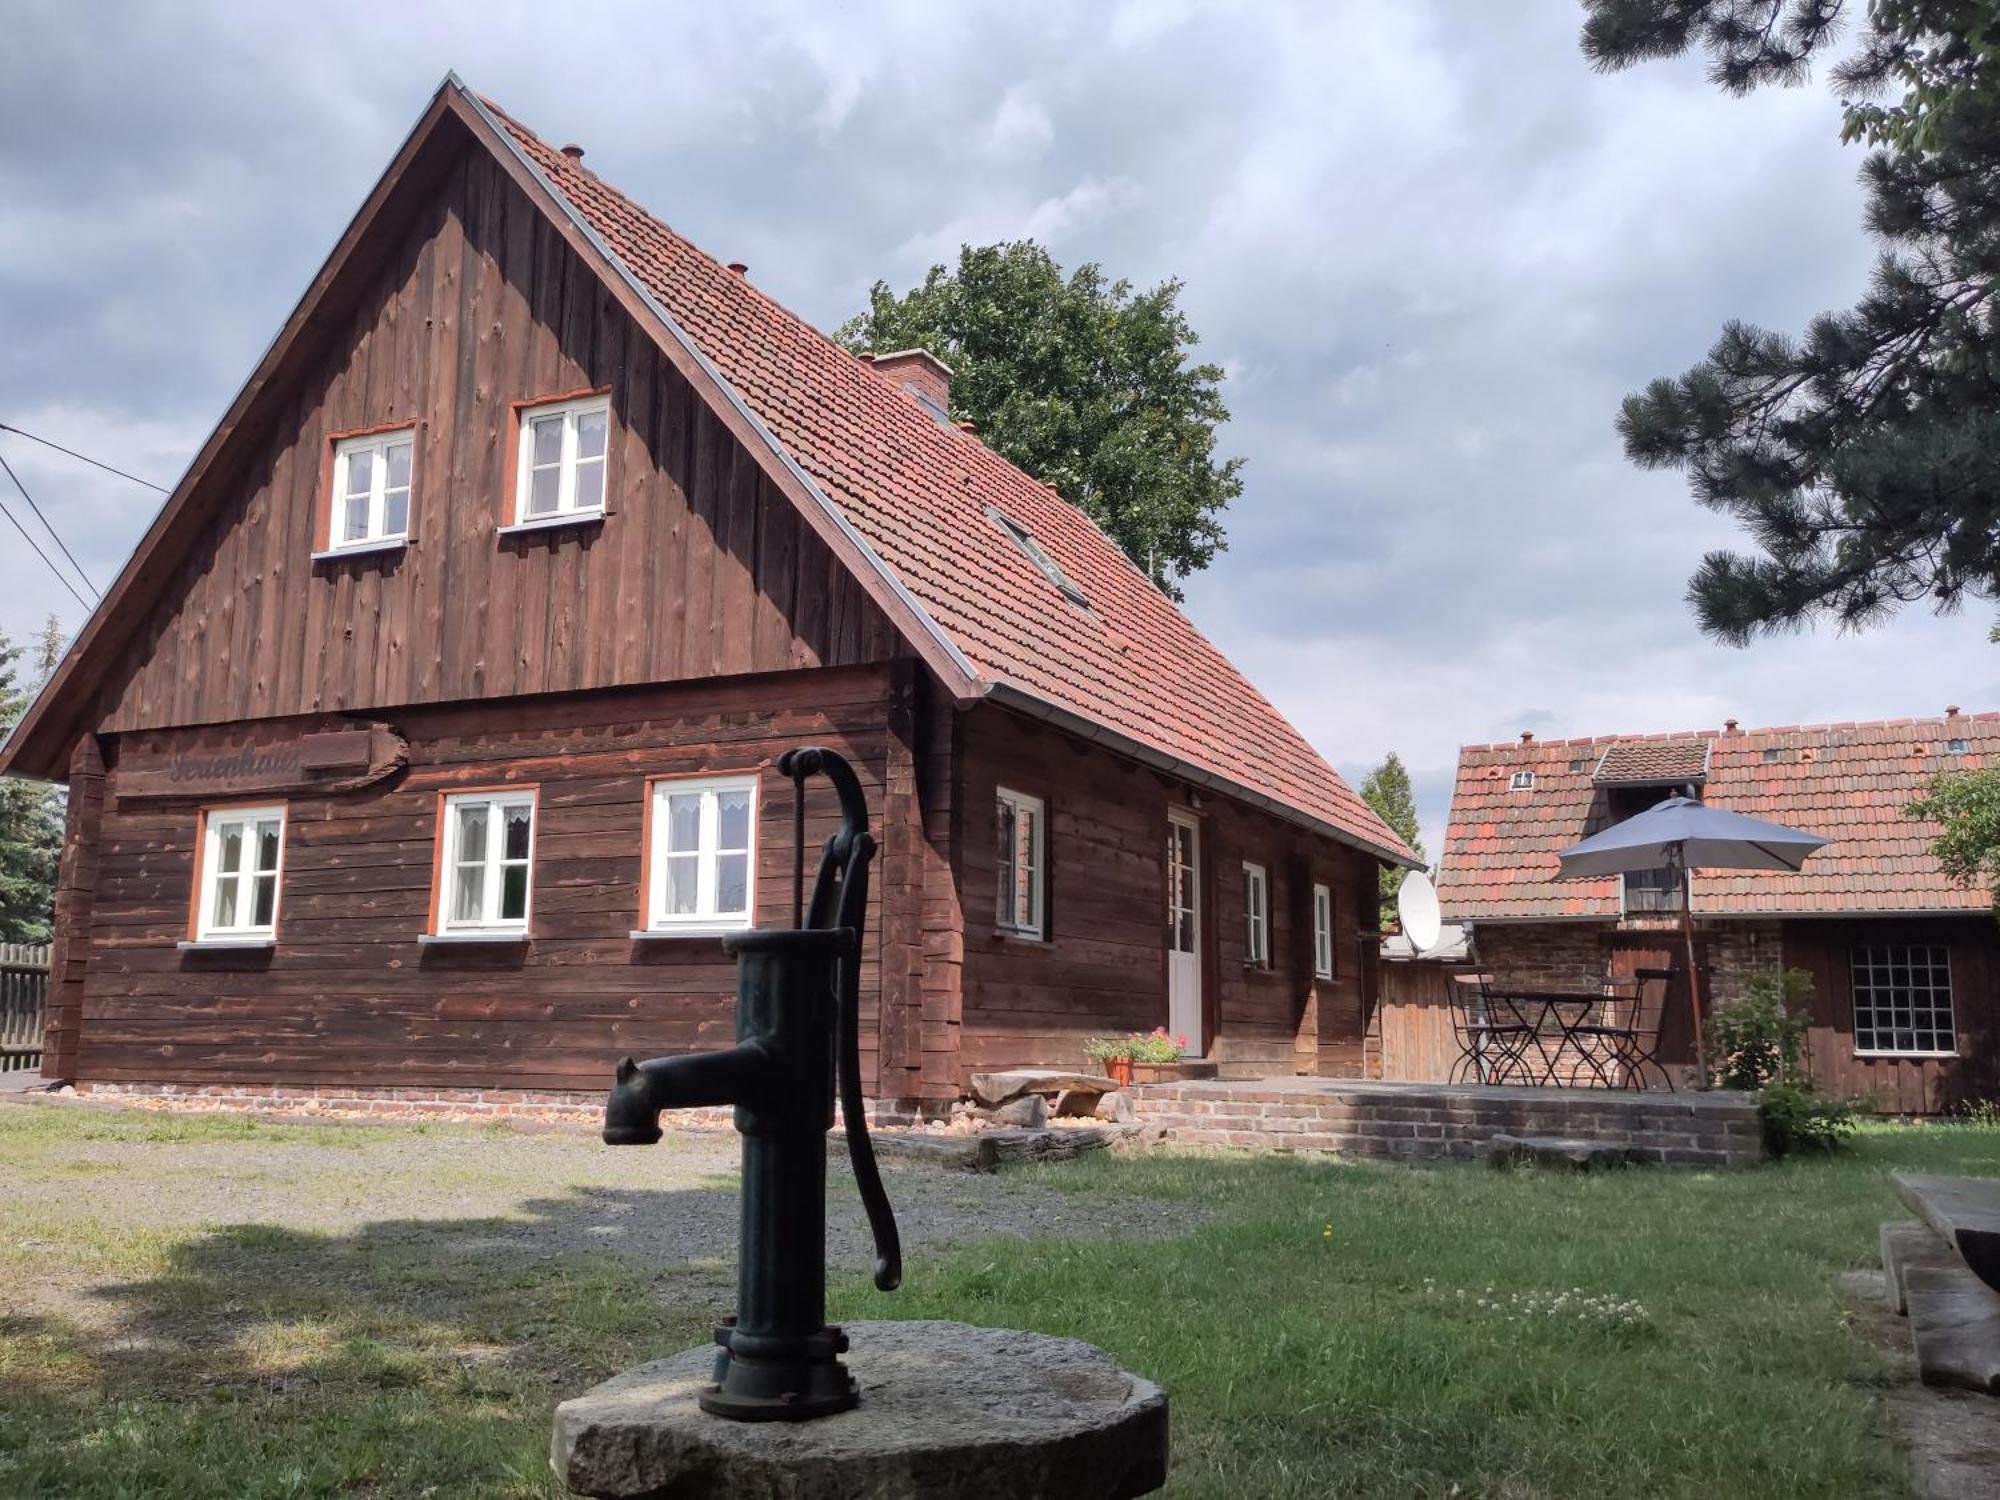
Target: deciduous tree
(1388, 791)
(1085, 383)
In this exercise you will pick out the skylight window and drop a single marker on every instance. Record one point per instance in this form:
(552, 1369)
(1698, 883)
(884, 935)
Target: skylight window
(1522, 781)
(1025, 540)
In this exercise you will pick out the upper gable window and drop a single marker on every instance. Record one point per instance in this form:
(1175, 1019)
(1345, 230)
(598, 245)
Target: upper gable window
(1025, 540)
(371, 491)
(561, 469)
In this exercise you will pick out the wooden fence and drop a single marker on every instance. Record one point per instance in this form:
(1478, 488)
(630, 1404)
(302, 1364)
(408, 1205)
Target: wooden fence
(1414, 1040)
(24, 1005)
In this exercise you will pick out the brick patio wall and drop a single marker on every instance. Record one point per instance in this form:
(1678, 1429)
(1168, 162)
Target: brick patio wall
(1414, 1123)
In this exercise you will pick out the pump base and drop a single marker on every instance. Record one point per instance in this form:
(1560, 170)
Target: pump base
(774, 1380)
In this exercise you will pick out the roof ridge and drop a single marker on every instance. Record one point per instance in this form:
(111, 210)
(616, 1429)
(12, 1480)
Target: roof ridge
(1984, 716)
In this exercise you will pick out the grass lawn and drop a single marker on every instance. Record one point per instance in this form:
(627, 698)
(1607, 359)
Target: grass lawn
(1325, 1329)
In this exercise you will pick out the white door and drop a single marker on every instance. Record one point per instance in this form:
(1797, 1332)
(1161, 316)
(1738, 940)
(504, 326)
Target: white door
(1184, 930)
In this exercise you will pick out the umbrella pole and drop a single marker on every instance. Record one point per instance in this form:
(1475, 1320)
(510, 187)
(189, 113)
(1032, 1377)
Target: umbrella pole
(1694, 972)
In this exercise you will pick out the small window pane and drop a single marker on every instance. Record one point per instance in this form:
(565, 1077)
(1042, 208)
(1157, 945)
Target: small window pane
(468, 893)
(684, 822)
(544, 490)
(232, 849)
(683, 880)
(267, 900)
(590, 427)
(360, 472)
(225, 903)
(267, 845)
(398, 457)
(355, 528)
(590, 486)
(518, 821)
(547, 440)
(513, 893)
(733, 820)
(396, 513)
(732, 884)
(472, 833)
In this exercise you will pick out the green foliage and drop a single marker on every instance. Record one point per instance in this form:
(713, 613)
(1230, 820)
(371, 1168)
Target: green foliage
(1083, 382)
(1758, 1039)
(1797, 1117)
(1388, 791)
(30, 826)
(1864, 458)
(1966, 807)
(1154, 1046)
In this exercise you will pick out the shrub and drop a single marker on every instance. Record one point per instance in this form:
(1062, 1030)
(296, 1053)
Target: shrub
(1797, 1117)
(1760, 1039)
(1154, 1046)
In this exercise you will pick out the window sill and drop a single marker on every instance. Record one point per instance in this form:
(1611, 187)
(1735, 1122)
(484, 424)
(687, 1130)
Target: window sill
(226, 944)
(469, 939)
(1905, 1056)
(1019, 935)
(554, 523)
(670, 934)
(362, 549)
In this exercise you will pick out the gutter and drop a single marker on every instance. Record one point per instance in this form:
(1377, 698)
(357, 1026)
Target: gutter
(1008, 695)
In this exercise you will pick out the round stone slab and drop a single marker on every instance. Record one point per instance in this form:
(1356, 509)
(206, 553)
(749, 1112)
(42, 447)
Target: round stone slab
(947, 1410)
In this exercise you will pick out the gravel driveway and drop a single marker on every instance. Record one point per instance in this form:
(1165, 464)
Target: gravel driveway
(470, 1188)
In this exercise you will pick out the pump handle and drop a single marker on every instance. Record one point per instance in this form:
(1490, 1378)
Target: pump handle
(840, 901)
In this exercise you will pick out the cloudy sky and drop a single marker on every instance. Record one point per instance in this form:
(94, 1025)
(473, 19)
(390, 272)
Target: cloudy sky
(1429, 245)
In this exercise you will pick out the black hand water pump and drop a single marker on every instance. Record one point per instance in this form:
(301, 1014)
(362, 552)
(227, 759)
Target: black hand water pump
(797, 1024)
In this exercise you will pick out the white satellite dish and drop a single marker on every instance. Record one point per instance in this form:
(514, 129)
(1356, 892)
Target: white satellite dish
(1417, 908)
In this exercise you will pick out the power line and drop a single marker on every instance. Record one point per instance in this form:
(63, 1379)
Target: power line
(84, 457)
(43, 555)
(50, 529)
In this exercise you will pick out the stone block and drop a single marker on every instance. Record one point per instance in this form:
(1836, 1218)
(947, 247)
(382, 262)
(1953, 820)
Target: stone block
(1955, 1324)
(1964, 1210)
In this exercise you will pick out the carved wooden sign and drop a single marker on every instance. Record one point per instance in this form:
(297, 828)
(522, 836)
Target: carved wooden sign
(333, 760)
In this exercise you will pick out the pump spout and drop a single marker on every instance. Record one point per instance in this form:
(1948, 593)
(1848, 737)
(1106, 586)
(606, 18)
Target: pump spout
(742, 1074)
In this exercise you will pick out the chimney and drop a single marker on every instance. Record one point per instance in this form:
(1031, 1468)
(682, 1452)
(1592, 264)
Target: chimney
(1951, 710)
(1527, 736)
(741, 268)
(922, 374)
(574, 152)
(1729, 726)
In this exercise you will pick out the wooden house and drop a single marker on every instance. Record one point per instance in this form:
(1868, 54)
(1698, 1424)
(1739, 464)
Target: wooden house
(427, 741)
(1905, 964)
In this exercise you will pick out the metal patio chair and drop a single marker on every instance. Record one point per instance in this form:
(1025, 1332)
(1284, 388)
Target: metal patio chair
(1491, 1047)
(1625, 1040)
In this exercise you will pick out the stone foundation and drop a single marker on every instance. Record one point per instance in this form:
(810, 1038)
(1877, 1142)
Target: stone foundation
(334, 1101)
(1427, 1122)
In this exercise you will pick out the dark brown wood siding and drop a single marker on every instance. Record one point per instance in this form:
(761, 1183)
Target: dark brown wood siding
(701, 568)
(348, 996)
(1102, 965)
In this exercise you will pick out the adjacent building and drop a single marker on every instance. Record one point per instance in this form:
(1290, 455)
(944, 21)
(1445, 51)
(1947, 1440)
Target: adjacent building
(1905, 963)
(427, 742)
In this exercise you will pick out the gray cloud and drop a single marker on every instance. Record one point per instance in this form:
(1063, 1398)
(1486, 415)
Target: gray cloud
(1432, 248)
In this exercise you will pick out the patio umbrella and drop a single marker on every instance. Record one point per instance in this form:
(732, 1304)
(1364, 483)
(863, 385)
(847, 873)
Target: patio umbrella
(1682, 834)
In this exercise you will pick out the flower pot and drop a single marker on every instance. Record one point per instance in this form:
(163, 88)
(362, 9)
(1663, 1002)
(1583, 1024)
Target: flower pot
(1119, 1071)
(1173, 1072)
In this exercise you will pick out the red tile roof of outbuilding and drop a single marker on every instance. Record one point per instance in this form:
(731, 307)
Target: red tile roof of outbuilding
(918, 492)
(1848, 783)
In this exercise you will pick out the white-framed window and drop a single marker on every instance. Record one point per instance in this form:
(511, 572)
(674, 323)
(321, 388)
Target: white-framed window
(1323, 931)
(1521, 781)
(487, 864)
(1256, 914)
(242, 861)
(702, 866)
(562, 461)
(371, 490)
(1902, 1000)
(1019, 835)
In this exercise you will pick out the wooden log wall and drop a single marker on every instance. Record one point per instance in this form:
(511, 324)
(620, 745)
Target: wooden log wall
(1102, 965)
(349, 997)
(699, 569)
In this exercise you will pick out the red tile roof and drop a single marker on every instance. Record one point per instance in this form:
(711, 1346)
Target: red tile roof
(1652, 763)
(918, 491)
(1847, 782)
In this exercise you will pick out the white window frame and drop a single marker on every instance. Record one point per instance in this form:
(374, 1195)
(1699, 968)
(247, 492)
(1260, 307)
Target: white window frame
(1521, 781)
(1937, 956)
(1007, 875)
(377, 536)
(1256, 915)
(567, 511)
(704, 919)
(214, 822)
(495, 864)
(1322, 931)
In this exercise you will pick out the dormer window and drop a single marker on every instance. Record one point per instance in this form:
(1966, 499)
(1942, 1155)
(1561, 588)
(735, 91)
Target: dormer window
(1036, 554)
(1522, 781)
(371, 491)
(560, 461)
(1955, 747)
